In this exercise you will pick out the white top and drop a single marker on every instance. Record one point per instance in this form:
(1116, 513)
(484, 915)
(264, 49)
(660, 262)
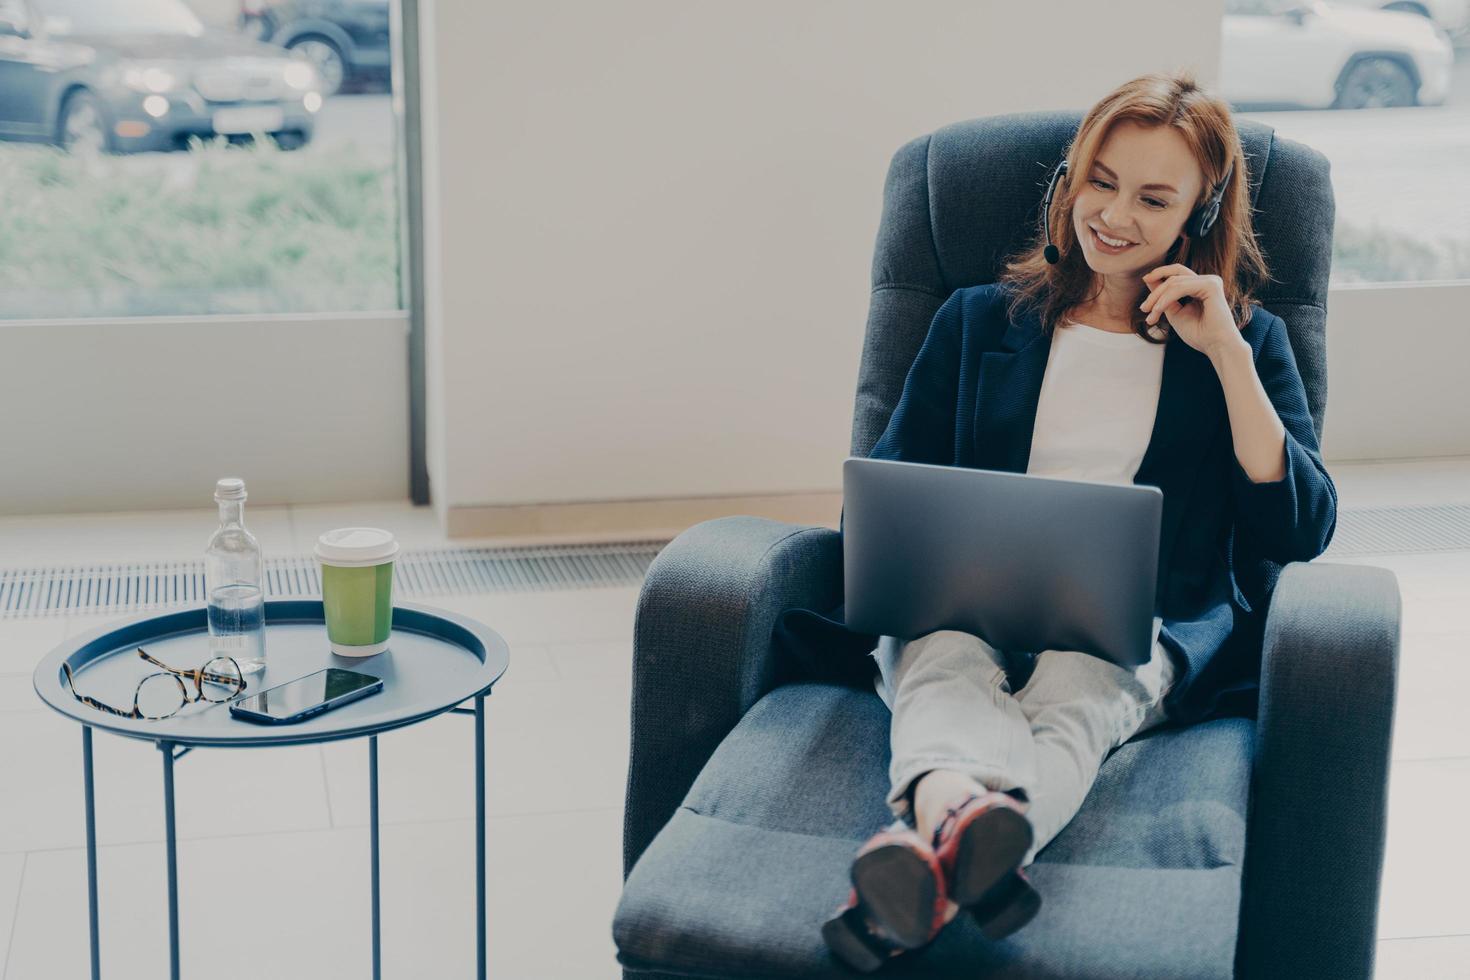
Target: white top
(1098, 401)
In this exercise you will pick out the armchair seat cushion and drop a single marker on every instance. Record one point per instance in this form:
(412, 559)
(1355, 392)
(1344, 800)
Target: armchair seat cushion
(1144, 882)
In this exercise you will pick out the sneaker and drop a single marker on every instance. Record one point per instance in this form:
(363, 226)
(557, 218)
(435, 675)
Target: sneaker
(980, 841)
(1012, 903)
(899, 882)
(856, 940)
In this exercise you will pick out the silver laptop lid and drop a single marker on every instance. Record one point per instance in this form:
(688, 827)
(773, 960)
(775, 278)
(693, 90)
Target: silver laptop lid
(1028, 563)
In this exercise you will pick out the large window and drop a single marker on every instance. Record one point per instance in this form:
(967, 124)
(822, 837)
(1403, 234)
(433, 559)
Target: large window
(164, 157)
(1382, 89)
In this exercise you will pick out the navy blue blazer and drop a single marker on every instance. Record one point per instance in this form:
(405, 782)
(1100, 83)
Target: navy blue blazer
(970, 400)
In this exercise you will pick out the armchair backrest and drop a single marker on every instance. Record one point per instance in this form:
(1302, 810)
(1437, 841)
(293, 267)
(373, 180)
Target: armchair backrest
(959, 201)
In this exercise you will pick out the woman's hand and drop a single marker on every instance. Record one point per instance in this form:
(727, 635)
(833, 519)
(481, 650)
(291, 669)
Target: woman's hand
(1195, 307)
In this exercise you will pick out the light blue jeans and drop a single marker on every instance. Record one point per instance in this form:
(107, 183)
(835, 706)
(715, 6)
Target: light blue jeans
(953, 709)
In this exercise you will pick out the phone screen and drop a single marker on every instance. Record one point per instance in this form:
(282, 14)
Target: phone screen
(296, 696)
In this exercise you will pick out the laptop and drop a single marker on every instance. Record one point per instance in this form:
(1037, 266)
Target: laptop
(1027, 563)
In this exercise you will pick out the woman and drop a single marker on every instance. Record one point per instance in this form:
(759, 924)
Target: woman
(1153, 249)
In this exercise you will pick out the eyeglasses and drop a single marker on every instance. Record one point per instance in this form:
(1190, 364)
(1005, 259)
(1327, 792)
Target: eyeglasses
(162, 694)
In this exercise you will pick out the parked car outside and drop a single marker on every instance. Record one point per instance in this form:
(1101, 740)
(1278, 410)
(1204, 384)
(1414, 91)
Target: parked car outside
(1452, 15)
(139, 75)
(347, 40)
(1318, 55)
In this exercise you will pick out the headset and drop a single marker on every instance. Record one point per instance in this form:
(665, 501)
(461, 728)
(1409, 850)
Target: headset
(1201, 220)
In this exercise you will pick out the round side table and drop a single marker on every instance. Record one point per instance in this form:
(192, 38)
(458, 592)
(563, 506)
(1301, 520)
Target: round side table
(435, 662)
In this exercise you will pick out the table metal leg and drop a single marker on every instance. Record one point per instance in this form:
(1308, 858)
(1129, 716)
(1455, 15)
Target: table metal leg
(480, 832)
(373, 833)
(171, 843)
(91, 850)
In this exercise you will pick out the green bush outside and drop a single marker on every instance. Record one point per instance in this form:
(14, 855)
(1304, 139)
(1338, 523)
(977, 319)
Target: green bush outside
(254, 229)
(219, 229)
(1373, 254)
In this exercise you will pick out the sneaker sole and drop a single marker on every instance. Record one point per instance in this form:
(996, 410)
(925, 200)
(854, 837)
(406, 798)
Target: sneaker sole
(992, 846)
(844, 936)
(899, 891)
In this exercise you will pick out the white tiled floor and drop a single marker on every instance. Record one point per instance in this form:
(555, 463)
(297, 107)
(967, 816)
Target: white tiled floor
(254, 835)
(255, 831)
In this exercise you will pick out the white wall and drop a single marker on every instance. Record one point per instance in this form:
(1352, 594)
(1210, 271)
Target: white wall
(1412, 405)
(651, 223)
(146, 414)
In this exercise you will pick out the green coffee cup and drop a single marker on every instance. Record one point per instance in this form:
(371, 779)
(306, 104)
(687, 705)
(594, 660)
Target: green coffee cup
(357, 588)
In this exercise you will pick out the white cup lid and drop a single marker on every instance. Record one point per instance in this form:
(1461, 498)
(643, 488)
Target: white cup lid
(356, 546)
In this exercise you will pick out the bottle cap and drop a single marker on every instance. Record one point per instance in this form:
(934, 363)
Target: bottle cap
(356, 546)
(230, 488)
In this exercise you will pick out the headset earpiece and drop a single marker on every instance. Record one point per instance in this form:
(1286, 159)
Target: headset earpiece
(1202, 220)
(1205, 216)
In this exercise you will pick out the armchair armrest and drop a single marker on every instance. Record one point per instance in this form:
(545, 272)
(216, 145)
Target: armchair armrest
(702, 649)
(1319, 794)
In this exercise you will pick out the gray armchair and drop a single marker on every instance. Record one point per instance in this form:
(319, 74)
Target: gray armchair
(1249, 844)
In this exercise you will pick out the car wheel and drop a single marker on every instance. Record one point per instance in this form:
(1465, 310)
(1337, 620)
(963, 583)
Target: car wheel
(290, 140)
(328, 61)
(82, 127)
(1375, 83)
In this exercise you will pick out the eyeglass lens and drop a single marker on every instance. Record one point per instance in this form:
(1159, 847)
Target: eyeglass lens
(221, 680)
(160, 695)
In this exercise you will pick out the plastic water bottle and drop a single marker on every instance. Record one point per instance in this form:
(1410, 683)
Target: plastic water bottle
(234, 582)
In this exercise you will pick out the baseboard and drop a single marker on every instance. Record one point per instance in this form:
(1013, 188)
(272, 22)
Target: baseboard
(611, 520)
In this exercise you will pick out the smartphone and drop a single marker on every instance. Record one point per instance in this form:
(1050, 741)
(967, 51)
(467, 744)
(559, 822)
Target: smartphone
(306, 696)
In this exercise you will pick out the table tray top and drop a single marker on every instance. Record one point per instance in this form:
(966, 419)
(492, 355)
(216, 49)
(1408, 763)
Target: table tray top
(435, 660)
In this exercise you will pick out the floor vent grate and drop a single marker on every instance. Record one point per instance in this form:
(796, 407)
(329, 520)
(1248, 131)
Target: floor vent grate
(127, 588)
(124, 588)
(1399, 530)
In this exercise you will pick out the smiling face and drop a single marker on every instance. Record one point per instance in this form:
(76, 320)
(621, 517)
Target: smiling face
(1141, 190)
